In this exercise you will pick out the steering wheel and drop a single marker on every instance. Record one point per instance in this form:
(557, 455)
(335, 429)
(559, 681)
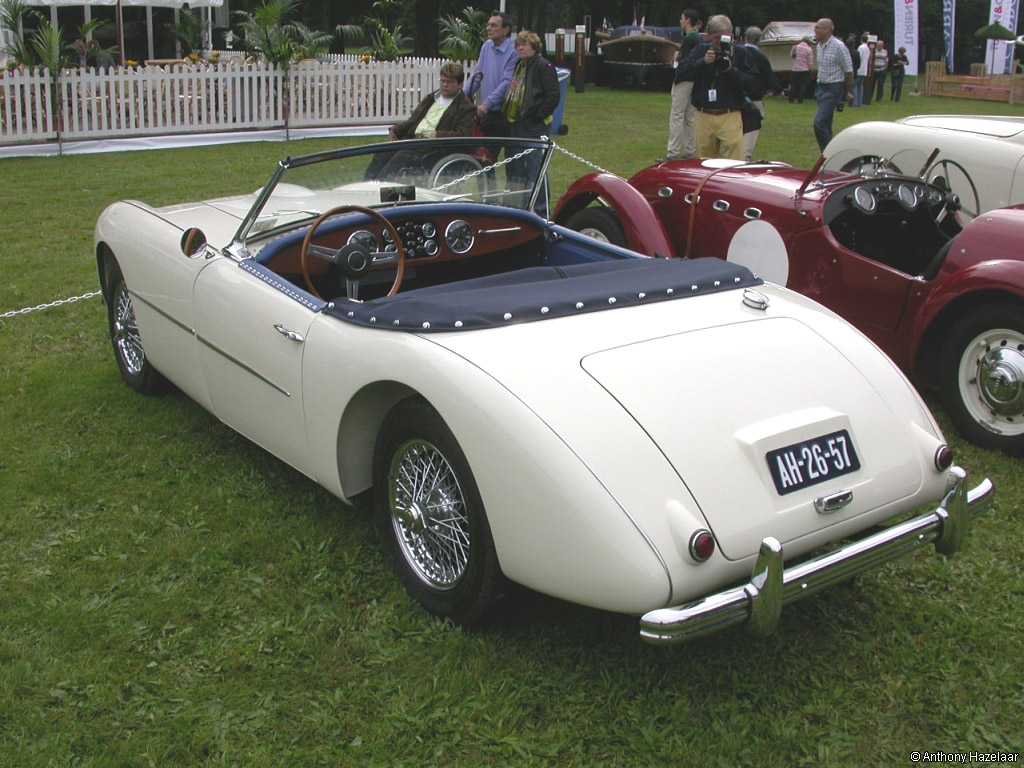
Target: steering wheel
(952, 201)
(353, 259)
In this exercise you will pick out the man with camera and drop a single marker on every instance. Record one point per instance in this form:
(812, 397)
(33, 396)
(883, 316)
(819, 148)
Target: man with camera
(721, 82)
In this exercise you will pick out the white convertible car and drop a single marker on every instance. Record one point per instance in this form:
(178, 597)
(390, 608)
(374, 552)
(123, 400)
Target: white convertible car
(979, 157)
(667, 438)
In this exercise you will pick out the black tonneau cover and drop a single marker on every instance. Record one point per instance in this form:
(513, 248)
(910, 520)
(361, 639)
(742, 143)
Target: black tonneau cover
(540, 293)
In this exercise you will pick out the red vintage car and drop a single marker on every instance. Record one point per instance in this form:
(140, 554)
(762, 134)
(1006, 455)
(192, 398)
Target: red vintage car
(902, 257)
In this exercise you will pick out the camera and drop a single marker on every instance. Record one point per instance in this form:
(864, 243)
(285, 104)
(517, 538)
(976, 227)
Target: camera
(724, 47)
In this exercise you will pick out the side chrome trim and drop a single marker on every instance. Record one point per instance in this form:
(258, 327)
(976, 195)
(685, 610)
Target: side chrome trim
(210, 345)
(162, 313)
(759, 602)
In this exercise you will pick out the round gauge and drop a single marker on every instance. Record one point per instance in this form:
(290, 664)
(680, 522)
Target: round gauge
(387, 236)
(907, 197)
(428, 229)
(363, 238)
(430, 247)
(391, 248)
(864, 200)
(459, 236)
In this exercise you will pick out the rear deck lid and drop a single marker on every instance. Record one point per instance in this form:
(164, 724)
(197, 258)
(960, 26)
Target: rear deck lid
(725, 403)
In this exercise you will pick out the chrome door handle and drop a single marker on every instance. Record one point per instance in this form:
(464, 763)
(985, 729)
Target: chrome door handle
(298, 338)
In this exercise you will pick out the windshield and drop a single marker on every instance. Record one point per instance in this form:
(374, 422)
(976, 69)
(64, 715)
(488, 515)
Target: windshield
(480, 170)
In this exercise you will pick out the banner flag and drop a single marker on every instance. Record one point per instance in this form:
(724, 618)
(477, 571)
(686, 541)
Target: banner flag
(999, 53)
(905, 12)
(949, 31)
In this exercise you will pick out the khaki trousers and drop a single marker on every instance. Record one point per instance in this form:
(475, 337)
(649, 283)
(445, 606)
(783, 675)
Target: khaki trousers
(682, 124)
(720, 135)
(750, 139)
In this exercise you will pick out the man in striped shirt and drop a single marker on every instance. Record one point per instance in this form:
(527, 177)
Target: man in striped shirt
(835, 79)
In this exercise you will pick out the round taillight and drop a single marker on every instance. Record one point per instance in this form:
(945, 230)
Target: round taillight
(943, 458)
(702, 545)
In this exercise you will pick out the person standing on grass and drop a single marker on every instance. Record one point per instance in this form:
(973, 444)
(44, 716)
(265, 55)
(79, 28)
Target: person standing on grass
(764, 82)
(492, 75)
(803, 62)
(529, 103)
(835, 79)
(720, 86)
(881, 68)
(869, 81)
(864, 59)
(682, 118)
(899, 69)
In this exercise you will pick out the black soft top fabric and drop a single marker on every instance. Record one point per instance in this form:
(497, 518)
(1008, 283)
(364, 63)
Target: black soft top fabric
(540, 293)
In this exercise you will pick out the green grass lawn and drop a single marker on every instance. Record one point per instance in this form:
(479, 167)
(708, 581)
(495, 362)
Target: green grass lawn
(172, 595)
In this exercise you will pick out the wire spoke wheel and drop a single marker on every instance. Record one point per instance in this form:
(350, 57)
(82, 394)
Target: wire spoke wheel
(428, 513)
(126, 333)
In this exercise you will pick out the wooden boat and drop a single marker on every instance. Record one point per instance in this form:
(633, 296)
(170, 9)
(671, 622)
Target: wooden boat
(777, 41)
(637, 56)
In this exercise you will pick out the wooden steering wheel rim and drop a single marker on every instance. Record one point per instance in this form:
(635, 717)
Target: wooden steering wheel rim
(308, 239)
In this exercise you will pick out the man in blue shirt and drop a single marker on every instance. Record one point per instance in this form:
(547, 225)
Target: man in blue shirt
(493, 73)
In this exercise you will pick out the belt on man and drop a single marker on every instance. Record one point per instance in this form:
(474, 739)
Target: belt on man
(707, 111)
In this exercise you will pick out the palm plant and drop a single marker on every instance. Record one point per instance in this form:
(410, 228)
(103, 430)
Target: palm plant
(91, 52)
(386, 42)
(309, 43)
(12, 16)
(49, 48)
(189, 31)
(462, 35)
(266, 33)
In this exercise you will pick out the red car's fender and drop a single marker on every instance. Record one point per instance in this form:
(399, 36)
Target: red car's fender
(961, 289)
(644, 232)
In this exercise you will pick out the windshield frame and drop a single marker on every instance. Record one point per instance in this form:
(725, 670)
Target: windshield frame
(544, 144)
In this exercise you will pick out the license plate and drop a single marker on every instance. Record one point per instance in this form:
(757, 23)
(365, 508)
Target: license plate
(814, 461)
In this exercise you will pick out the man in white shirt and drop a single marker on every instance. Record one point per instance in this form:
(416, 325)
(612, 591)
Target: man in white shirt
(864, 51)
(835, 79)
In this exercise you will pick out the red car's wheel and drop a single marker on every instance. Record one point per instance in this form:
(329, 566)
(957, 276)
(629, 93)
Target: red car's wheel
(600, 224)
(982, 379)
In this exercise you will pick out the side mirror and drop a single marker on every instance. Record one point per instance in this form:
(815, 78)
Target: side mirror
(193, 241)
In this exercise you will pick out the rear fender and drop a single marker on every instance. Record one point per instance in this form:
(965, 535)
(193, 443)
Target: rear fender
(993, 278)
(644, 232)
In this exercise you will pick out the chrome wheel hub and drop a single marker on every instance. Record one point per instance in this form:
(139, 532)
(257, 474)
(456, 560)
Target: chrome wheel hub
(126, 333)
(1001, 380)
(991, 378)
(428, 514)
(597, 234)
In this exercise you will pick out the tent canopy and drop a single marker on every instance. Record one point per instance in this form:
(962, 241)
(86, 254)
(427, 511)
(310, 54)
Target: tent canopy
(152, 3)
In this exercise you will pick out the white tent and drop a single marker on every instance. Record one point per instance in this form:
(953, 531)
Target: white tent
(177, 5)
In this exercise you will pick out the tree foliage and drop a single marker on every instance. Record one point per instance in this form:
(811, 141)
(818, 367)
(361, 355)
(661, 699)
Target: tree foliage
(462, 35)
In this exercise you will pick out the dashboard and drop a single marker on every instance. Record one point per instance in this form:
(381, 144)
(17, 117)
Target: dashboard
(427, 239)
(898, 195)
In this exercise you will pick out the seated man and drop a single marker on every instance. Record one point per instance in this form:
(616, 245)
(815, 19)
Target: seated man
(446, 112)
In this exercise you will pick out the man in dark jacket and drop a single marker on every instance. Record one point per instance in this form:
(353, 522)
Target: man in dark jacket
(530, 101)
(764, 82)
(721, 82)
(682, 118)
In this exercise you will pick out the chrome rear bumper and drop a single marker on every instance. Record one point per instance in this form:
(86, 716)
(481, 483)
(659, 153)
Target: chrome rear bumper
(759, 602)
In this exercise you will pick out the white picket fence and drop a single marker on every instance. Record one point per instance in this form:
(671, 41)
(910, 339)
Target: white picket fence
(94, 103)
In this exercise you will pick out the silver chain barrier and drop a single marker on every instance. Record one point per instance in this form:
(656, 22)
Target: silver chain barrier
(583, 160)
(507, 160)
(41, 307)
